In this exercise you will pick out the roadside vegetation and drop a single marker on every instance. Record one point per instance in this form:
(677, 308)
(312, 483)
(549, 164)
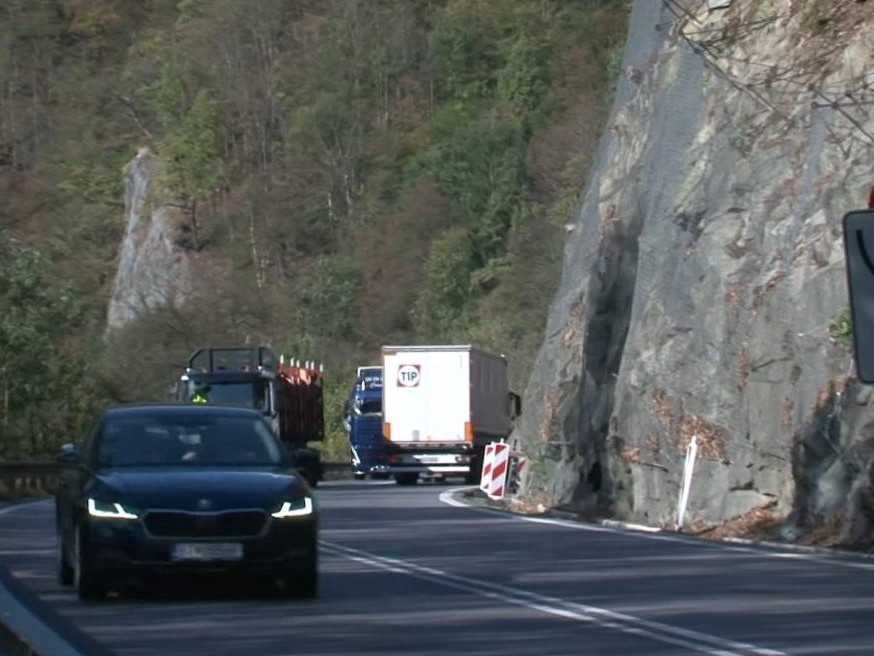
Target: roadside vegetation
(357, 172)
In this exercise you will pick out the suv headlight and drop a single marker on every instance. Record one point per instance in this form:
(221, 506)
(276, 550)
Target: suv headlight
(108, 510)
(296, 508)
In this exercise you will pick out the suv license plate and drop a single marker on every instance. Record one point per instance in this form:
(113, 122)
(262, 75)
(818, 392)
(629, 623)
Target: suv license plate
(207, 551)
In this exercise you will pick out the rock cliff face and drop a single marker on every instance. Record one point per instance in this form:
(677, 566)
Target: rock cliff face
(703, 272)
(153, 269)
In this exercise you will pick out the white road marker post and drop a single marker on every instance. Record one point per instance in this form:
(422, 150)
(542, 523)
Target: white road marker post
(688, 467)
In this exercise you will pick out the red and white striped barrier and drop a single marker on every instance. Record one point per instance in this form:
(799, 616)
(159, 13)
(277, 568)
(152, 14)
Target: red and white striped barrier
(496, 461)
(486, 477)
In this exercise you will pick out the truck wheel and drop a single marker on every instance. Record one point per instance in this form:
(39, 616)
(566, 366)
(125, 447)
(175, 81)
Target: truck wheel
(359, 476)
(89, 584)
(406, 479)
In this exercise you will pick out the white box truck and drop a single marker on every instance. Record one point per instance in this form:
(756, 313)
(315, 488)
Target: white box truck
(441, 406)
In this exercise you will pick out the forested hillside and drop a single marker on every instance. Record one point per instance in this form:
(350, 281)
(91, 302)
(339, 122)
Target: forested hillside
(348, 173)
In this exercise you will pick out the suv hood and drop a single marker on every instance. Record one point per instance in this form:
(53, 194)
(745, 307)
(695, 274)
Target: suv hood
(198, 490)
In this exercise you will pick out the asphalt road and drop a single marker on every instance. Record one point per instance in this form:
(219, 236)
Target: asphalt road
(404, 573)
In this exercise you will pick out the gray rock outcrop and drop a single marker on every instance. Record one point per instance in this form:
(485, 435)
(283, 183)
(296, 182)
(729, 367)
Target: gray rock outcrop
(702, 274)
(153, 269)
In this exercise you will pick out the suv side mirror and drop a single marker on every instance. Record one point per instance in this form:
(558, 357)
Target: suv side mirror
(859, 249)
(69, 455)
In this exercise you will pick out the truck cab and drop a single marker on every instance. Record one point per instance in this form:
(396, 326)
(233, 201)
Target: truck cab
(363, 419)
(287, 394)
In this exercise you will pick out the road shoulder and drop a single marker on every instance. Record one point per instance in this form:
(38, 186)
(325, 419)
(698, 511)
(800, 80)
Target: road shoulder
(29, 626)
(461, 497)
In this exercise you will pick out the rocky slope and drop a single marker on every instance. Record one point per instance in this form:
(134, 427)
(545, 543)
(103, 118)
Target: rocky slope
(154, 268)
(703, 272)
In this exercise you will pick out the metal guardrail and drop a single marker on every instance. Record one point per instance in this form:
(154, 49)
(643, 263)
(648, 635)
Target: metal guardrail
(334, 471)
(28, 479)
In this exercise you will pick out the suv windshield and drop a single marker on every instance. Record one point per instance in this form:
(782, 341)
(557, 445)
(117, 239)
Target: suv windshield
(186, 440)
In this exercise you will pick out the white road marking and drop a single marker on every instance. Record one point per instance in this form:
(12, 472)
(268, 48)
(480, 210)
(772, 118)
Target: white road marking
(344, 483)
(693, 640)
(446, 497)
(21, 506)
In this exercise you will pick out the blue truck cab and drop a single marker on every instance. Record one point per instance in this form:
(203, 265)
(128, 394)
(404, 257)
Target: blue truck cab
(363, 419)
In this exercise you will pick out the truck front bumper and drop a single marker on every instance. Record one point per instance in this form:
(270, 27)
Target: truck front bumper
(430, 469)
(434, 463)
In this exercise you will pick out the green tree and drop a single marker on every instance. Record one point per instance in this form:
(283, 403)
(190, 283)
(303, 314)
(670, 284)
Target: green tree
(191, 155)
(34, 372)
(402, 184)
(331, 298)
(440, 309)
(480, 165)
(524, 79)
(466, 51)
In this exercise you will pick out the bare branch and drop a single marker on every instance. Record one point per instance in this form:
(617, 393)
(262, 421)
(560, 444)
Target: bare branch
(132, 109)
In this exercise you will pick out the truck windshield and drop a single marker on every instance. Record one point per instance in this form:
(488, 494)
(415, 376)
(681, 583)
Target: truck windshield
(187, 441)
(369, 407)
(245, 395)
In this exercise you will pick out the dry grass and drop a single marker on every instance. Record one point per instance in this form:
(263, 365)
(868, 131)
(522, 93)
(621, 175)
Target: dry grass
(664, 407)
(788, 407)
(551, 402)
(734, 295)
(761, 291)
(631, 455)
(825, 532)
(830, 18)
(760, 524)
(570, 336)
(711, 438)
(743, 372)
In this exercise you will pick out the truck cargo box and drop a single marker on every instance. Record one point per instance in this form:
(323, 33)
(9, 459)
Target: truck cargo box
(444, 396)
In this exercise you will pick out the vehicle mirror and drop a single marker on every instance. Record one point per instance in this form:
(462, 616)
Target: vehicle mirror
(859, 249)
(69, 455)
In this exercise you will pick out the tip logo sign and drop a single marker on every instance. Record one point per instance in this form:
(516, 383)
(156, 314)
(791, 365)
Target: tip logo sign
(409, 375)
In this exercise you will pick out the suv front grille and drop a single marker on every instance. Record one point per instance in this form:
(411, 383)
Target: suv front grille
(230, 524)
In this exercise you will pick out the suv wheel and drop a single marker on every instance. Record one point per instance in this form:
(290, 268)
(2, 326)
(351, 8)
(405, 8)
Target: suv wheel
(87, 579)
(66, 573)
